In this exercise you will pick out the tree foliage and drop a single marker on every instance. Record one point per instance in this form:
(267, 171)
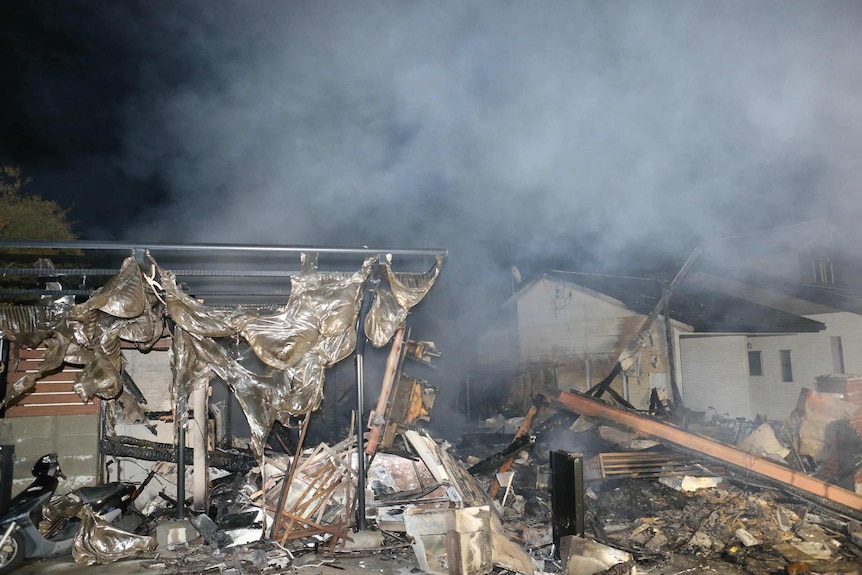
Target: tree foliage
(29, 217)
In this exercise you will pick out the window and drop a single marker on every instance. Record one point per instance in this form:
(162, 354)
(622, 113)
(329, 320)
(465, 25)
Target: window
(755, 363)
(786, 367)
(823, 272)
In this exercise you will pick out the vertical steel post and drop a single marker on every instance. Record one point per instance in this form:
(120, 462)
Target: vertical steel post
(181, 415)
(361, 523)
(101, 474)
(361, 340)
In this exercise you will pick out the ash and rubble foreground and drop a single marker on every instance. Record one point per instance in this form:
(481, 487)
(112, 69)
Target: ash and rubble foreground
(664, 513)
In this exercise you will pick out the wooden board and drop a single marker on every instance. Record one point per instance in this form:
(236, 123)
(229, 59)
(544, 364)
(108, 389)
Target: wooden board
(54, 394)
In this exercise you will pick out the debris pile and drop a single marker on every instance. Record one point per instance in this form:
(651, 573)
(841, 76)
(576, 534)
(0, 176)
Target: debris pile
(574, 485)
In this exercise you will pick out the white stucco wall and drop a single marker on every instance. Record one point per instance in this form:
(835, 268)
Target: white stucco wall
(151, 372)
(715, 374)
(557, 321)
(849, 327)
(810, 356)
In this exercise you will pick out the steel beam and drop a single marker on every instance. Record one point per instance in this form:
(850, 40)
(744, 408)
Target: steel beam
(260, 248)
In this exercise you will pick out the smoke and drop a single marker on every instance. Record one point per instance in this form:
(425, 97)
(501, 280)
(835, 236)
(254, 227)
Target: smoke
(493, 129)
(507, 132)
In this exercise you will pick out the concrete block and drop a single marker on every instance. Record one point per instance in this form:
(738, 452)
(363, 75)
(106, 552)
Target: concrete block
(32, 448)
(71, 445)
(365, 540)
(43, 425)
(84, 424)
(170, 534)
(7, 434)
(80, 465)
(585, 557)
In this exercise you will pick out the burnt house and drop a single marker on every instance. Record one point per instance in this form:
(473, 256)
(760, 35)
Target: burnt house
(567, 330)
(808, 270)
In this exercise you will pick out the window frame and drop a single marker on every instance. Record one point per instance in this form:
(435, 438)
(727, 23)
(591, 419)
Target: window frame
(786, 365)
(824, 273)
(759, 355)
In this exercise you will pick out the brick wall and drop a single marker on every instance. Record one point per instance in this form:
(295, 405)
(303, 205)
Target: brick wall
(850, 388)
(853, 394)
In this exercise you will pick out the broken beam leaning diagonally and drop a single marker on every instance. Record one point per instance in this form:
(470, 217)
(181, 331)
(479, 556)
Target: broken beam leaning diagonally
(849, 502)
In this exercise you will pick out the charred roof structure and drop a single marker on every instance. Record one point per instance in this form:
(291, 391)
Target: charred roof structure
(295, 323)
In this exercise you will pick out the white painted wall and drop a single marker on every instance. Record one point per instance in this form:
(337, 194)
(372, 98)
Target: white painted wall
(715, 374)
(151, 372)
(811, 356)
(849, 327)
(557, 321)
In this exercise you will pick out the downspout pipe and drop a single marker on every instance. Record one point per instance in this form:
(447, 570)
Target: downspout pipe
(361, 340)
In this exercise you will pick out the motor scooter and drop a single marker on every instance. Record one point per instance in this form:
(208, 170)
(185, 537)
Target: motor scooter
(22, 537)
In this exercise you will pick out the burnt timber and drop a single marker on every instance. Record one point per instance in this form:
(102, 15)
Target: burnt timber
(844, 501)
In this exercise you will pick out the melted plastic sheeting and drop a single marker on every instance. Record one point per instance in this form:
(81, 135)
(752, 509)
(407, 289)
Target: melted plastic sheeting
(196, 359)
(188, 313)
(123, 295)
(313, 331)
(298, 342)
(26, 325)
(100, 541)
(57, 512)
(146, 329)
(281, 340)
(390, 307)
(409, 289)
(98, 378)
(23, 386)
(312, 325)
(384, 318)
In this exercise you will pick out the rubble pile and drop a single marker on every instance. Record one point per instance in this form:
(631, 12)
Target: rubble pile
(574, 485)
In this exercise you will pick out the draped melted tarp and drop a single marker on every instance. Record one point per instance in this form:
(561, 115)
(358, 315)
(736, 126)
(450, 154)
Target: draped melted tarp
(293, 344)
(97, 540)
(390, 306)
(89, 334)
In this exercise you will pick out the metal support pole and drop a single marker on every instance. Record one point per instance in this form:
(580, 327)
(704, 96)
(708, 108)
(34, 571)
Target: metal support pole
(181, 415)
(200, 401)
(360, 444)
(4, 371)
(101, 474)
(361, 340)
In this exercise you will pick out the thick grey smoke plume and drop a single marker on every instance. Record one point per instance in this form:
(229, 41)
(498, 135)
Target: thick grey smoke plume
(494, 127)
(508, 132)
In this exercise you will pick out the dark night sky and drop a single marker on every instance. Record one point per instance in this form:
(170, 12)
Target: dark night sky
(528, 133)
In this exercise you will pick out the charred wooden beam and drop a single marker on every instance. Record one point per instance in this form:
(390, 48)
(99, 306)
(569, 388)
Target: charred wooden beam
(844, 501)
(122, 446)
(493, 462)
